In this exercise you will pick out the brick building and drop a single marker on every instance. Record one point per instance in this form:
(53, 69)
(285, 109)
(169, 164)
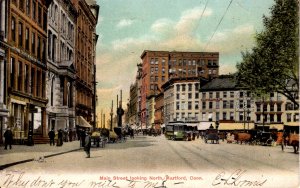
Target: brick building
(160, 66)
(27, 67)
(3, 62)
(85, 59)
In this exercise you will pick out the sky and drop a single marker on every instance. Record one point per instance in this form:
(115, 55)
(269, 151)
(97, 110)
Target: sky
(128, 27)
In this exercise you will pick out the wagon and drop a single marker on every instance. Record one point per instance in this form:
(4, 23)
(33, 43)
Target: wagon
(212, 135)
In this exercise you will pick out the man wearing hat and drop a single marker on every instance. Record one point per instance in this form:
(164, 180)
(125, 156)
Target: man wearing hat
(8, 135)
(87, 144)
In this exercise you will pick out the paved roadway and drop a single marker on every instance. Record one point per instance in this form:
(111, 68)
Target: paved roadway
(211, 165)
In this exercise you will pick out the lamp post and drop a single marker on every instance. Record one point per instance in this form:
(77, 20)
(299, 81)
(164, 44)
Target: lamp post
(111, 115)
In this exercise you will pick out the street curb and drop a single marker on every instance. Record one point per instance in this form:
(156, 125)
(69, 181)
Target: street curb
(2, 167)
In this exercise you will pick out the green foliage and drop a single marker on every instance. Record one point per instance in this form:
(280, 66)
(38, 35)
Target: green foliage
(273, 64)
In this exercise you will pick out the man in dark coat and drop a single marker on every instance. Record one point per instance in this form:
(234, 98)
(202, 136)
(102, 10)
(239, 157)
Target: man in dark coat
(59, 138)
(51, 135)
(8, 135)
(87, 144)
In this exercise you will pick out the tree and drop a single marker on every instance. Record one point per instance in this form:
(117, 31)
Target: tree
(273, 64)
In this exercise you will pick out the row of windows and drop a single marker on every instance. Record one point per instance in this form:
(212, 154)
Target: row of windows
(66, 26)
(190, 96)
(190, 105)
(34, 10)
(182, 87)
(185, 62)
(26, 78)
(28, 39)
(65, 52)
(155, 78)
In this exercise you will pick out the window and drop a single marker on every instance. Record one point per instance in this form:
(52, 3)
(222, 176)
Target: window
(190, 96)
(12, 72)
(177, 96)
(190, 87)
(203, 105)
(296, 117)
(152, 61)
(278, 117)
(28, 7)
(241, 94)
(156, 61)
(196, 105)
(33, 43)
(225, 94)
(217, 94)
(231, 94)
(288, 117)
(39, 15)
(278, 107)
(162, 78)
(45, 21)
(203, 116)
(231, 103)
(13, 29)
(271, 117)
(241, 116)
(203, 95)
(27, 38)
(33, 10)
(44, 52)
(258, 117)
(19, 76)
(38, 84)
(38, 49)
(163, 62)
(189, 105)
(224, 104)
(20, 30)
(231, 116)
(196, 87)
(210, 95)
(33, 81)
(21, 5)
(271, 107)
(258, 107)
(26, 81)
(265, 107)
(183, 106)
(177, 87)
(224, 115)
(210, 105)
(217, 104)
(196, 95)
(183, 87)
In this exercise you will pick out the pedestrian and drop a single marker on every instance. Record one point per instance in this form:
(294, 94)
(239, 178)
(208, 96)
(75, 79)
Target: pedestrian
(51, 135)
(82, 137)
(66, 135)
(87, 146)
(8, 135)
(59, 138)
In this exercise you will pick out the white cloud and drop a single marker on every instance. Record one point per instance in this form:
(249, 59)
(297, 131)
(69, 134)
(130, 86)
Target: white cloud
(124, 23)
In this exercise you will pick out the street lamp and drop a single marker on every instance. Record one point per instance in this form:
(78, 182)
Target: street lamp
(111, 114)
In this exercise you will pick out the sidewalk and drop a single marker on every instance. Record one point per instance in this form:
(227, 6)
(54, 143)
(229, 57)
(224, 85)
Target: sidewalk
(23, 153)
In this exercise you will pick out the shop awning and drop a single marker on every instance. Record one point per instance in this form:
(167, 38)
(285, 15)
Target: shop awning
(80, 121)
(235, 126)
(276, 126)
(292, 124)
(205, 125)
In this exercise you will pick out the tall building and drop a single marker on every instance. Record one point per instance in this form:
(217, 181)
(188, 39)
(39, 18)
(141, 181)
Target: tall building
(61, 65)
(3, 63)
(27, 67)
(85, 59)
(160, 66)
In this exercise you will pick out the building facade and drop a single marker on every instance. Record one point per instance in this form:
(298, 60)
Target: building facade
(132, 105)
(159, 110)
(181, 99)
(223, 101)
(3, 63)
(160, 66)
(85, 94)
(61, 65)
(27, 67)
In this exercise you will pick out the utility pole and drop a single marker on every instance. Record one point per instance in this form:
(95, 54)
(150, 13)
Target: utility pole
(111, 115)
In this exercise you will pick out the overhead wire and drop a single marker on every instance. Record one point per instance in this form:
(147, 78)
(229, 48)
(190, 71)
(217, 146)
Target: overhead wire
(218, 25)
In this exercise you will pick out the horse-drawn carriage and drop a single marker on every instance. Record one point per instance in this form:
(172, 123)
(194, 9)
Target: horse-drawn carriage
(212, 135)
(290, 140)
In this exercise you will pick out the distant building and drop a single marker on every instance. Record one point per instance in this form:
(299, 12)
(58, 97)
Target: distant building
(181, 99)
(160, 66)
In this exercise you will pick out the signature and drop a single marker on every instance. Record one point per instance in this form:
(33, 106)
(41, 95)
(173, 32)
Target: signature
(236, 179)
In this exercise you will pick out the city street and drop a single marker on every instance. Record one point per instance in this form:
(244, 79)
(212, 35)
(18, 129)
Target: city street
(146, 155)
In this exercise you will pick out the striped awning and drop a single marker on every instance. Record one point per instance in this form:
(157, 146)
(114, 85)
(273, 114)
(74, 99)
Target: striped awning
(80, 121)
